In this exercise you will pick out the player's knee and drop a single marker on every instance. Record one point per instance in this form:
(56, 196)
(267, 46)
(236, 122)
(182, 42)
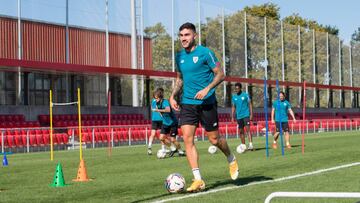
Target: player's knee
(214, 141)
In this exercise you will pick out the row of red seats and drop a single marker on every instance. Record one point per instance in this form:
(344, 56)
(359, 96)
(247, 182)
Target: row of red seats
(45, 119)
(12, 118)
(100, 123)
(35, 140)
(21, 124)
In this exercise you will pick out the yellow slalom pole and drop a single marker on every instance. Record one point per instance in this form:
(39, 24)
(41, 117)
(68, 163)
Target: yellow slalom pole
(51, 129)
(79, 115)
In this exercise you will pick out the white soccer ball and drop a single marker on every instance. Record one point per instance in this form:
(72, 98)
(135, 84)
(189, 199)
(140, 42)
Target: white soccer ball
(241, 148)
(175, 183)
(212, 149)
(161, 154)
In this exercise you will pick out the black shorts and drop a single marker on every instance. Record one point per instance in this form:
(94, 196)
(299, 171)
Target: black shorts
(172, 130)
(156, 125)
(206, 114)
(243, 122)
(284, 126)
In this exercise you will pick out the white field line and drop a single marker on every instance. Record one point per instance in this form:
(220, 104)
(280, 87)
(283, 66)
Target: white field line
(260, 182)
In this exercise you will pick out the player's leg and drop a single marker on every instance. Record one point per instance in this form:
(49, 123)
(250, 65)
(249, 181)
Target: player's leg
(151, 138)
(189, 120)
(209, 120)
(173, 134)
(247, 127)
(276, 134)
(285, 127)
(241, 130)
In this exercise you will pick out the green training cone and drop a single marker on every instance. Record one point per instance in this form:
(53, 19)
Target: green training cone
(59, 180)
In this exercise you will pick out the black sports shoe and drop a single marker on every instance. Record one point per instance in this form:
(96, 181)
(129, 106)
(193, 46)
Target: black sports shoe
(149, 152)
(171, 154)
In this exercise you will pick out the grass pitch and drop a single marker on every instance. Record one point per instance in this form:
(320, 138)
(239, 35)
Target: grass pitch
(130, 175)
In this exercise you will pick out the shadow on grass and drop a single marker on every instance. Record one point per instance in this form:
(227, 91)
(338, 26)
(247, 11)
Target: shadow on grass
(270, 148)
(238, 182)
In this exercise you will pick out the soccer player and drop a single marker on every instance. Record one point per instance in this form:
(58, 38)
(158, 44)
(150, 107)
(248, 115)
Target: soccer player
(169, 124)
(241, 105)
(198, 73)
(156, 121)
(281, 116)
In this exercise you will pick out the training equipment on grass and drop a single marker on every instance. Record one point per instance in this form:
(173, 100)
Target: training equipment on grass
(241, 148)
(82, 173)
(303, 121)
(161, 154)
(109, 125)
(5, 161)
(52, 104)
(59, 180)
(212, 149)
(279, 117)
(175, 183)
(266, 117)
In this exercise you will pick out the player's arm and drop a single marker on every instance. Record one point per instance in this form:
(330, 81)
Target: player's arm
(272, 115)
(292, 115)
(166, 110)
(232, 112)
(219, 77)
(251, 110)
(176, 90)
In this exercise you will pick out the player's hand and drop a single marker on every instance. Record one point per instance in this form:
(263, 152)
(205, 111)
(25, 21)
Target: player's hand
(272, 121)
(251, 117)
(174, 104)
(232, 120)
(202, 93)
(294, 120)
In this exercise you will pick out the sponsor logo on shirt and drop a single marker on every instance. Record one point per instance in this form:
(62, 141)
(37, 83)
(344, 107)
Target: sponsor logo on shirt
(182, 61)
(243, 98)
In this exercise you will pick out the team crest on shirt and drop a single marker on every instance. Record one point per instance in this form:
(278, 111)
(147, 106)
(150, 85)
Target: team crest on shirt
(195, 59)
(284, 104)
(182, 61)
(242, 98)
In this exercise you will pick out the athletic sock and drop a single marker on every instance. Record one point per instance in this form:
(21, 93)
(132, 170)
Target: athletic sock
(231, 158)
(163, 147)
(172, 147)
(196, 173)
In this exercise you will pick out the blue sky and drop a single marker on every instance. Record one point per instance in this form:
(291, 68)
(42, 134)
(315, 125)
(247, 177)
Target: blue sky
(91, 13)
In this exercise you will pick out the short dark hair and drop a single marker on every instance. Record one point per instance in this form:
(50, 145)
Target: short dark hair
(283, 93)
(238, 85)
(187, 25)
(159, 92)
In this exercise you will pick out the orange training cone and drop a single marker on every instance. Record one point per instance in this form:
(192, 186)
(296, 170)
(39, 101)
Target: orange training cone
(82, 174)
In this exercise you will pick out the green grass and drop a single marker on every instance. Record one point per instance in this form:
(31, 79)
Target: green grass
(132, 176)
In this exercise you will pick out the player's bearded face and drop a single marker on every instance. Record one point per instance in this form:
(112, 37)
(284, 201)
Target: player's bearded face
(187, 38)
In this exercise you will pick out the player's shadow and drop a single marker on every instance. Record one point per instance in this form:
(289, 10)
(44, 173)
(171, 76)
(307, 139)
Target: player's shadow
(238, 182)
(270, 148)
(152, 198)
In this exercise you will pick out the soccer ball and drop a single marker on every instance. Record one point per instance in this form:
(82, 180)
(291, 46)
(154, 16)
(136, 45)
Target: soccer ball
(241, 148)
(212, 149)
(161, 154)
(175, 183)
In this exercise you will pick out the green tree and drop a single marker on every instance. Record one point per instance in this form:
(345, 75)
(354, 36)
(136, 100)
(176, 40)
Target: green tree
(356, 35)
(296, 19)
(269, 10)
(161, 46)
